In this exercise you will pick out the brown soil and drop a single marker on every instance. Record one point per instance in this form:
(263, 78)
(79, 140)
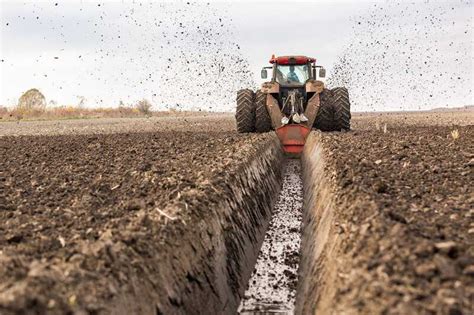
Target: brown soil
(404, 208)
(84, 218)
(397, 120)
(89, 220)
(181, 121)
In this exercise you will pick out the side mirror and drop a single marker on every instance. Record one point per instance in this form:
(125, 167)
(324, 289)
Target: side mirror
(314, 73)
(322, 73)
(264, 74)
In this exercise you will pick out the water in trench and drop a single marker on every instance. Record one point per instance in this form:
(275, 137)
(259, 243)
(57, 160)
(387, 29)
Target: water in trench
(272, 286)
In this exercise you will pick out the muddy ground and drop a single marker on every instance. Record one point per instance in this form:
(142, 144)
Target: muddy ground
(272, 286)
(84, 207)
(217, 122)
(83, 215)
(405, 216)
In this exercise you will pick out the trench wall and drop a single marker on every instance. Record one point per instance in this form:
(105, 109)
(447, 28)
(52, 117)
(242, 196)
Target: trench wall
(317, 270)
(208, 271)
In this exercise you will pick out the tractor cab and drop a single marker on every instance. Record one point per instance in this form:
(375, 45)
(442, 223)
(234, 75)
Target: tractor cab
(293, 71)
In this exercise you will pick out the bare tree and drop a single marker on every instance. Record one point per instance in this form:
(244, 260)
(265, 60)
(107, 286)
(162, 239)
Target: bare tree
(32, 99)
(144, 107)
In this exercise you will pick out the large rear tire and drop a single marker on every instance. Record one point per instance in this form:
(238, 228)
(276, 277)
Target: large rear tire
(342, 108)
(245, 112)
(325, 117)
(263, 122)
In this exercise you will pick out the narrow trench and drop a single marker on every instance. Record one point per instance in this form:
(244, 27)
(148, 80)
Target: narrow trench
(272, 286)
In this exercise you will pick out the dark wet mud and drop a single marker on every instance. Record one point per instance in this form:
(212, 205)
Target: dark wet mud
(89, 221)
(114, 224)
(272, 287)
(406, 207)
(392, 227)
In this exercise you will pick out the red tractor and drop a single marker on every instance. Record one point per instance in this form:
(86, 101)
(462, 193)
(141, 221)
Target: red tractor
(293, 102)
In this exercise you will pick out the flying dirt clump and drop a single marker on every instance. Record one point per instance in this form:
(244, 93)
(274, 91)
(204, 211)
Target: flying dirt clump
(189, 58)
(178, 55)
(407, 56)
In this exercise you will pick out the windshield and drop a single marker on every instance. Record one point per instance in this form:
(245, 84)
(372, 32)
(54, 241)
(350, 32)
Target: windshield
(294, 74)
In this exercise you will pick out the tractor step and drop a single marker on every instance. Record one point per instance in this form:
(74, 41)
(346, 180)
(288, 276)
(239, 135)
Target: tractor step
(293, 138)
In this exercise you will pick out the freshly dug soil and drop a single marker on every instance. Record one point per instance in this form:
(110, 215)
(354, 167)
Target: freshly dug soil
(92, 222)
(137, 223)
(403, 216)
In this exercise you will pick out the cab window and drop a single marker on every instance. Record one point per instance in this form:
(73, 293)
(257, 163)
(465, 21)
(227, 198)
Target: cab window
(292, 74)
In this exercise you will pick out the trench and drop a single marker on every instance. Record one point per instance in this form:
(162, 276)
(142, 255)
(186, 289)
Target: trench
(272, 286)
(240, 252)
(295, 270)
(267, 247)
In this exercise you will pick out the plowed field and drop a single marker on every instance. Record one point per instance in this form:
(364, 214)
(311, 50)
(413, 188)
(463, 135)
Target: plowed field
(92, 209)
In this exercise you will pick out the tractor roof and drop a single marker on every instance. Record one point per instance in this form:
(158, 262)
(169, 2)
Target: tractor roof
(291, 60)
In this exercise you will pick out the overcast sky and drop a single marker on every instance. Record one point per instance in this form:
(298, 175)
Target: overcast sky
(188, 55)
